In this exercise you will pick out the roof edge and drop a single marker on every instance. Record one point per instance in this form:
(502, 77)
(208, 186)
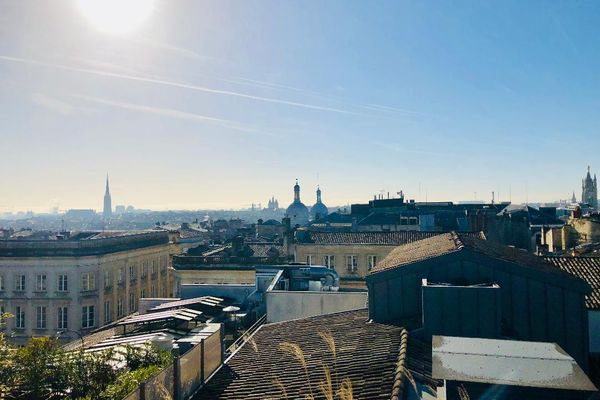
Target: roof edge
(399, 373)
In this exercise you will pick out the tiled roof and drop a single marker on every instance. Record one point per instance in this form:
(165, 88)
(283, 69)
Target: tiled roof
(371, 355)
(452, 242)
(377, 238)
(265, 249)
(586, 268)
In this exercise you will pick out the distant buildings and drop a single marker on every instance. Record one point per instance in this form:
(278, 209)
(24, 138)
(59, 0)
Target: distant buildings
(589, 190)
(396, 214)
(80, 214)
(273, 204)
(80, 281)
(107, 212)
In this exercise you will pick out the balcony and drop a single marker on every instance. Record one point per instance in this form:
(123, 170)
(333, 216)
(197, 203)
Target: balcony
(86, 294)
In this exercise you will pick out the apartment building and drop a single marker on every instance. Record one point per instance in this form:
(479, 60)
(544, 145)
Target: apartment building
(76, 282)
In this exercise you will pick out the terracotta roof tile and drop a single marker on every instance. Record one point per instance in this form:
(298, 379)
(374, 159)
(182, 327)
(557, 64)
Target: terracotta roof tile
(367, 353)
(452, 242)
(377, 238)
(586, 268)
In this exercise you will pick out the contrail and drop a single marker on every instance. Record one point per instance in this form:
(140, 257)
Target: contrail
(168, 112)
(175, 84)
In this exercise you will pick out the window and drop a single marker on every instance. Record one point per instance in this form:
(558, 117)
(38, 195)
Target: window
(154, 267)
(19, 283)
(413, 221)
(107, 313)
(40, 283)
(19, 317)
(63, 283)
(40, 317)
(131, 302)
(309, 260)
(403, 221)
(352, 263)
(1, 282)
(121, 277)
(132, 272)
(371, 261)
(328, 261)
(88, 281)
(63, 318)
(87, 317)
(163, 291)
(153, 291)
(144, 269)
(143, 293)
(120, 307)
(107, 279)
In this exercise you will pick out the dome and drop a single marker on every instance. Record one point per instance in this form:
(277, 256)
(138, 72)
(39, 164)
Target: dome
(318, 210)
(297, 212)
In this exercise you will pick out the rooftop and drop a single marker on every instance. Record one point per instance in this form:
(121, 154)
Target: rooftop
(506, 362)
(451, 242)
(368, 238)
(85, 243)
(372, 356)
(586, 268)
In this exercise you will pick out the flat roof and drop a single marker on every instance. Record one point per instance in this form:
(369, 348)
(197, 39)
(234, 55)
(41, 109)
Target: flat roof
(506, 362)
(204, 300)
(184, 314)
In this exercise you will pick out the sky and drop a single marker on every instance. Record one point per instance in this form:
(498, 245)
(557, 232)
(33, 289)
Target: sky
(220, 104)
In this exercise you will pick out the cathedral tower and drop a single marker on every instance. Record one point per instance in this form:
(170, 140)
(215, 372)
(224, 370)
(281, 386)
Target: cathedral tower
(589, 190)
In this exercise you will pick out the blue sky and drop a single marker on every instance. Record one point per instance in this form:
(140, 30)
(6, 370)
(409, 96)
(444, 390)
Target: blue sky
(221, 104)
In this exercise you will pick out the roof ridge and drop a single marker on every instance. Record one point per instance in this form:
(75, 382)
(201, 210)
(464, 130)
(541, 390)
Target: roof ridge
(399, 373)
(457, 240)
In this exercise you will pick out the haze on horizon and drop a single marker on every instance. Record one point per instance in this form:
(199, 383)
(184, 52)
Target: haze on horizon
(217, 105)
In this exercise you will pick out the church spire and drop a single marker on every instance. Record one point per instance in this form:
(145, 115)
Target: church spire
(107, 211)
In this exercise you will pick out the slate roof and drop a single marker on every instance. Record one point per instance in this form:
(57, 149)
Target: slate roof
(451, 242)
(371, 355)
(370, 238)
(335, 218)
(381, 219)
(586, 268)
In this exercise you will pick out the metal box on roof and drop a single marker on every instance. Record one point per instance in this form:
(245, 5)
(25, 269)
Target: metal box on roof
(512, 368)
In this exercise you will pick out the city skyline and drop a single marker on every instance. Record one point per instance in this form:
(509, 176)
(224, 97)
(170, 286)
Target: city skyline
(187, 114)
(307, 198)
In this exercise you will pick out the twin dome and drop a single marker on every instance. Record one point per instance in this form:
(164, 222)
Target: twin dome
(298, 213)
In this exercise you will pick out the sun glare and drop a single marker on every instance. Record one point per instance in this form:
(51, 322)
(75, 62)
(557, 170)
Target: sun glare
(116, 16)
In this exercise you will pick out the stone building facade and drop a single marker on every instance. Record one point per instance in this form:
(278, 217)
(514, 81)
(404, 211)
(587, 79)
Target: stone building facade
(80, 283)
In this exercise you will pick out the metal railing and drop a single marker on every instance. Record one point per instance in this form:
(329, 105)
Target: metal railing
(245, 336)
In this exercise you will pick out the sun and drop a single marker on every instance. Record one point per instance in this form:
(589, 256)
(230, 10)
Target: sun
(116, 16)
